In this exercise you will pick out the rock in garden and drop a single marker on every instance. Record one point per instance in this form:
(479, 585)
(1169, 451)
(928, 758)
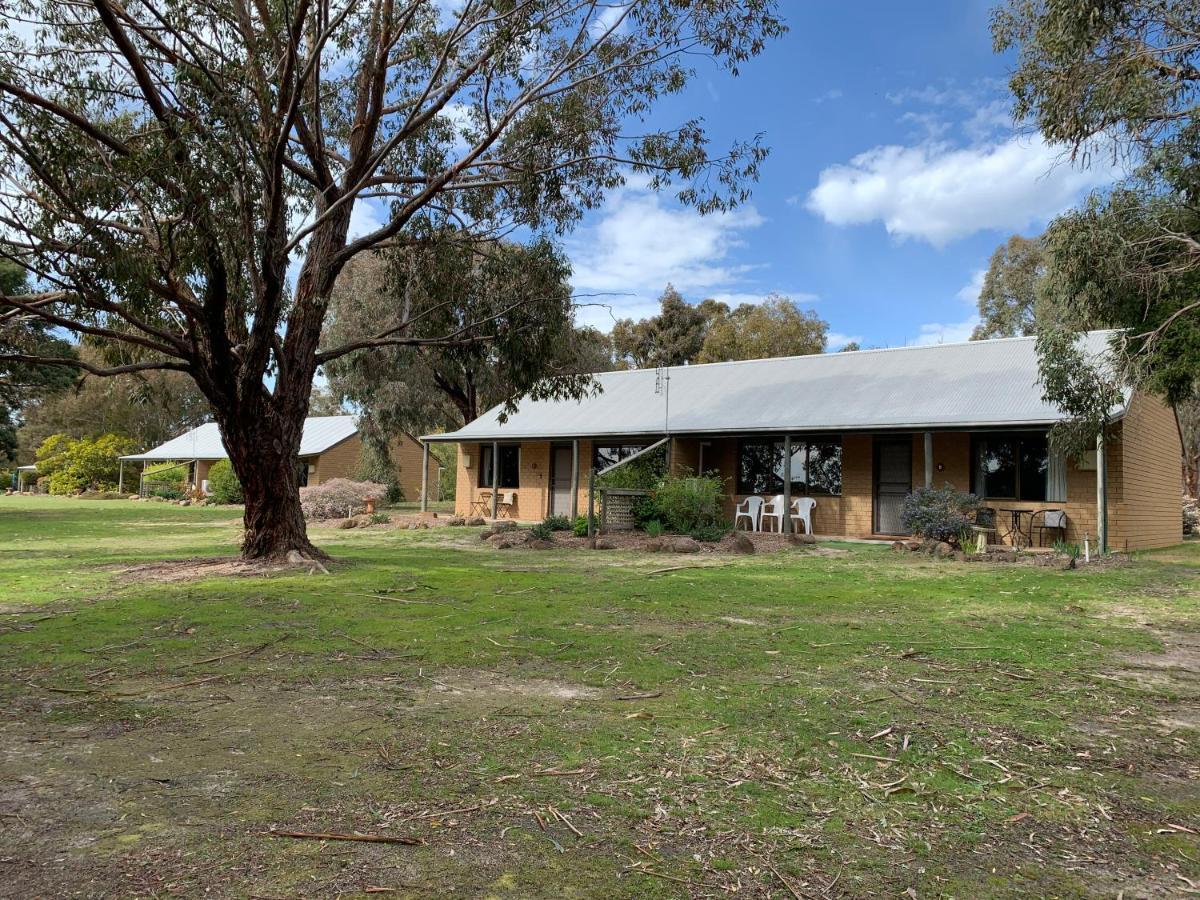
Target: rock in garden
(346, 523)
(739, 543)
(503, 525)
(604, 544)
(899, 545)
(942, 549)
(475, 520)
(539, 544)
(682, 544)
(801, 538)
(456, 521)
(912, 546)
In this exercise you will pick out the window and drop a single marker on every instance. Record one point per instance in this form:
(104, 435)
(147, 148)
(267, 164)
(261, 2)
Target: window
(604, 456)
(510, 466)
(816, 466)
(1010, 466)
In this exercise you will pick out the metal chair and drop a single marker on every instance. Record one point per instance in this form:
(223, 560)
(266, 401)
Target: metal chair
(1053, 520)
(507, 504)
(802, 512)
(749, 509)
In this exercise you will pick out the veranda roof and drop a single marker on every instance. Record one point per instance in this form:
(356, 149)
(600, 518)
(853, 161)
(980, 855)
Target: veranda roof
(973, 384)
(204, 442)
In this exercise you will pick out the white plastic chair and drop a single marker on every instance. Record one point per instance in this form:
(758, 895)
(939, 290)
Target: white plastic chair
(749, 509)
(802, 512)
(774, 509)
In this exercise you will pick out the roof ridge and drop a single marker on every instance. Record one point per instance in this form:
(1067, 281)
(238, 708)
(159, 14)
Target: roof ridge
(847, 353)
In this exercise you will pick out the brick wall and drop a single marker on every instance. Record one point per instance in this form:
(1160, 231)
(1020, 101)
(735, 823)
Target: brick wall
(1148, 511)
(339, 461)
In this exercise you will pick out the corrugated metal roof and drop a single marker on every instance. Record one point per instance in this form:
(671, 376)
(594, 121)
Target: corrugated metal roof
(969, 384)
(204, 442)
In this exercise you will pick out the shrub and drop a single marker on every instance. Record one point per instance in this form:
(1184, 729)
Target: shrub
(338, 497)
(580, 526)
(688, 503)
(642, 473)
(375, 466)
(70, 466)
(223, 484)
(560, 523)
(542, 531)
(380, 518)
(938, 514)
(654, 528)
(1071, 550)
(166, 479)
(710, 533)
(1191, 516)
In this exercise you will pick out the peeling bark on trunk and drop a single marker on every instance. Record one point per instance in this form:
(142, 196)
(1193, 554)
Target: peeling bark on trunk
(264, 456)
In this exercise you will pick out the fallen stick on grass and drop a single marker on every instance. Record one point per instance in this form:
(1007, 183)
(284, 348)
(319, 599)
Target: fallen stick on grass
(248, 652)
(341, 836)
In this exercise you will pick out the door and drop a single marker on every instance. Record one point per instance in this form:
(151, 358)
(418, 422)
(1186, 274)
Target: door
(560, 480)
(893, 482)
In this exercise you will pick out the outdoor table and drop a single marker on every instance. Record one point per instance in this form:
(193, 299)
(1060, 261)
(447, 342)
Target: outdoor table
(1014, 529)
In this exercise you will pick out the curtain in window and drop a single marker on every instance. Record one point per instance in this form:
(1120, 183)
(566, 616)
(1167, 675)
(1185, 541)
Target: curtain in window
(1056, 478)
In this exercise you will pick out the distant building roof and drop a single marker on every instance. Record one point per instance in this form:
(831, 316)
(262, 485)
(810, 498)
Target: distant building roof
(204, 442)
(962, 385)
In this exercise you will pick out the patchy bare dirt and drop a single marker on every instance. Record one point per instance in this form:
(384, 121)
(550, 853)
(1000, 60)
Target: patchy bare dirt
(195, 569)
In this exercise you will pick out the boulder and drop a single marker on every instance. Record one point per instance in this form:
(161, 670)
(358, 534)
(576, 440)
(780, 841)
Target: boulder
(603, 543)
(739, 543)
(960, 556)
(912, 546)
(509, 541)
(475, 520)
(799, 538)
(456, 521)
(942, 549)
(503, 525)
(539, 544)
(899, 545)
(682, 544)
(345, 523)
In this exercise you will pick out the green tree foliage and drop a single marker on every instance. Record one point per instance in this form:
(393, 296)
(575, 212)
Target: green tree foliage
(1118, 77)
(21, 382)
(711, 332)
(671, 338)
(775, 327)
(167, 163)
(86, 464)
(223, 484)
(1009, 296)
(147, 407)
(517, 349)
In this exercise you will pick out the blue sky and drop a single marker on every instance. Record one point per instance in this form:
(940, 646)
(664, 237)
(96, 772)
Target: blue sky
(894, 173)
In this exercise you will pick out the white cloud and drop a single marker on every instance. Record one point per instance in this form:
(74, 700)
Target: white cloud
(638, 245)
(948, 333)
(736, 298)
(835, 340)
(939, 193)
(939, 333)
(969, 292)
(829, 96)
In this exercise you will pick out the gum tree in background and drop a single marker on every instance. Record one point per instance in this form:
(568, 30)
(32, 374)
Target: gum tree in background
(1120, 78)
(165, 164)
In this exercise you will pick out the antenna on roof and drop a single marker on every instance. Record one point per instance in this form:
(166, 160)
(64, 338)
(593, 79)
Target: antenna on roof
(662, 385)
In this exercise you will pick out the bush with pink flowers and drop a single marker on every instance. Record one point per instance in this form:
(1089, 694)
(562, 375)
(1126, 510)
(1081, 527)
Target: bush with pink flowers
(339, 498)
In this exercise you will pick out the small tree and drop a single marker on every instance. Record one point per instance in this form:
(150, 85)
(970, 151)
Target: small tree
(71, 466)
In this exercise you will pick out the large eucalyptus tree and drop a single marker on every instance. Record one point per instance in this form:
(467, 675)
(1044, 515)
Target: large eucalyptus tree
(181, 176)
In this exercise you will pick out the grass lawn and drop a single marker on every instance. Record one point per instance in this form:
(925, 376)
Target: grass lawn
(574, 724)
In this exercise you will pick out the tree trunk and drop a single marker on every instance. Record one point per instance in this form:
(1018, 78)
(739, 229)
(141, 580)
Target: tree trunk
(264, 452)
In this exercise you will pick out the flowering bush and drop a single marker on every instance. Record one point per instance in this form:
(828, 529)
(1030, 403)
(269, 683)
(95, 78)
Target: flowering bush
(938, 514)
(339, 497)
(69, 466)
(1191, 516)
